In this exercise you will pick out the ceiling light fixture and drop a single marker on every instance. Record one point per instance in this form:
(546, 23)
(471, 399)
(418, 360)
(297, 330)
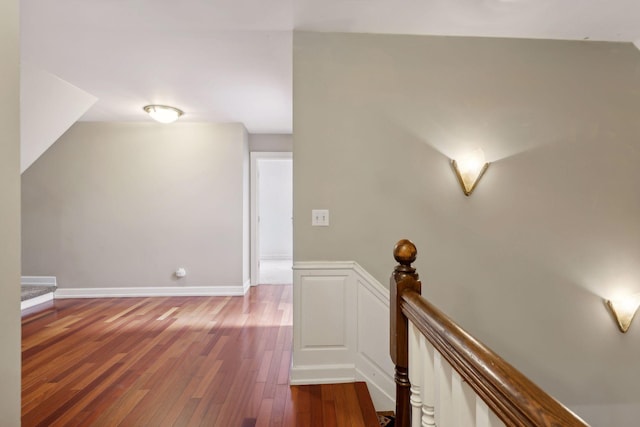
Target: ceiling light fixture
(470, 169)
(163, 113)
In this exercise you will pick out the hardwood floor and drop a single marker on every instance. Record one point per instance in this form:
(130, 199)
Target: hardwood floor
(188, 361)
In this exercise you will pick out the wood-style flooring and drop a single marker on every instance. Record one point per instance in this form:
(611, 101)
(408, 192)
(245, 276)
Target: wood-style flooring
(175, 361)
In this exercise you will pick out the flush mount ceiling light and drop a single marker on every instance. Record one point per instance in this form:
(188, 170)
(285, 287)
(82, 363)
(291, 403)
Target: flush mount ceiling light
(623, 310)
(163, 113)
(469, 169)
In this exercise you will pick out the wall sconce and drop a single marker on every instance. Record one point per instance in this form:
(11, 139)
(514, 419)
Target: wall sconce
(163, 113)
(470, 169)
(623, 310)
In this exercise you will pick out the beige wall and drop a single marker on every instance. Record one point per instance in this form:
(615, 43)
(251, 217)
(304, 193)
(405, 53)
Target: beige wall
(125, 204)
(553, 227)
(270, 142)
(9, 215)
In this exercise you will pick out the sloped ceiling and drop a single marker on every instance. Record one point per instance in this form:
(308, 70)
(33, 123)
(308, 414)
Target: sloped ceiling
(48, 107)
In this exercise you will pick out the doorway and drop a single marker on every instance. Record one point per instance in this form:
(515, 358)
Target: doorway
(271, 218)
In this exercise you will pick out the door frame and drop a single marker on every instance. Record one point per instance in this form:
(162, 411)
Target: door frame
(256, 156)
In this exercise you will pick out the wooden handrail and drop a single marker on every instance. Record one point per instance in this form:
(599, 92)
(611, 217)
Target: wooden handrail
(515, 399)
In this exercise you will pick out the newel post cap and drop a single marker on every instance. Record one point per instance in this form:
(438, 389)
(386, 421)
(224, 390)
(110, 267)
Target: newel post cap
(405, 252)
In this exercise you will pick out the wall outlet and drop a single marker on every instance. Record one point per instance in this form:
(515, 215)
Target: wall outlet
(320, 217)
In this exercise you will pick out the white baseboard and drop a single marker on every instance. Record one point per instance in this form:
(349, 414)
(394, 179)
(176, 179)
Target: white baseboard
(35, 301)
(174, 291)
(349, 341)
(322, 374)
(335, 374)
(38, 280)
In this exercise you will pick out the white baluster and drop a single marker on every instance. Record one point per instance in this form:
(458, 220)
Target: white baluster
(444, 415)
(415, 374)
(463, 402)
(428, 383)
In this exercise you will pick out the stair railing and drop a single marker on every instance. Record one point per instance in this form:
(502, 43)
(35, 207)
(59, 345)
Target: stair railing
(445, 377)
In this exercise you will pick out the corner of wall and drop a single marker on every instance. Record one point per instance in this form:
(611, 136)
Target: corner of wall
(10, 213)
(246, 208)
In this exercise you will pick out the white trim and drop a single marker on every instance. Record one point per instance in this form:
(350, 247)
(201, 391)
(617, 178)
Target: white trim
(322, 374)
(38, 280)
(324, 265)
(190, 291)
(368, 280)
(372, 284)
(32, 302)
(363, 356)
(255, 238)
(637, 44)
(276, 257)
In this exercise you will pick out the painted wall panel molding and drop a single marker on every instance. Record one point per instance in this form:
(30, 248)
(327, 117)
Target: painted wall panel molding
(339, 299)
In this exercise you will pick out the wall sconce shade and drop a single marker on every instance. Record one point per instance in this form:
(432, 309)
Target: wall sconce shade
(163, 113)
(469, 170)
(624, 310)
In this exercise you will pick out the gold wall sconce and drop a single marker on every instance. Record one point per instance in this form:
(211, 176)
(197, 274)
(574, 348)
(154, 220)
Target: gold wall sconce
(469, 169)
(623, 310)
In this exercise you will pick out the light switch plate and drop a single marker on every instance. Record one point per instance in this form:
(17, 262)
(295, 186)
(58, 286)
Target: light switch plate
(320, 217)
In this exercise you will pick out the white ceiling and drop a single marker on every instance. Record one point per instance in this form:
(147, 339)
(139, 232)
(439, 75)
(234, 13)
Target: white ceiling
(230, 60)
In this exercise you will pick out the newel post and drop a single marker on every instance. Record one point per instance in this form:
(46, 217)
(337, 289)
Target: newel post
(404, 277)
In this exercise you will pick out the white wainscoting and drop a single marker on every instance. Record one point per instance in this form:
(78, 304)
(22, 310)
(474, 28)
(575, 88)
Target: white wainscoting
(341, 329)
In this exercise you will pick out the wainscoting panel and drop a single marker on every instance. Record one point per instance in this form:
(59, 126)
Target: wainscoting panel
(373, 363)
(323, 324)
(341, 329)
(373, 321)
(323, 304)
